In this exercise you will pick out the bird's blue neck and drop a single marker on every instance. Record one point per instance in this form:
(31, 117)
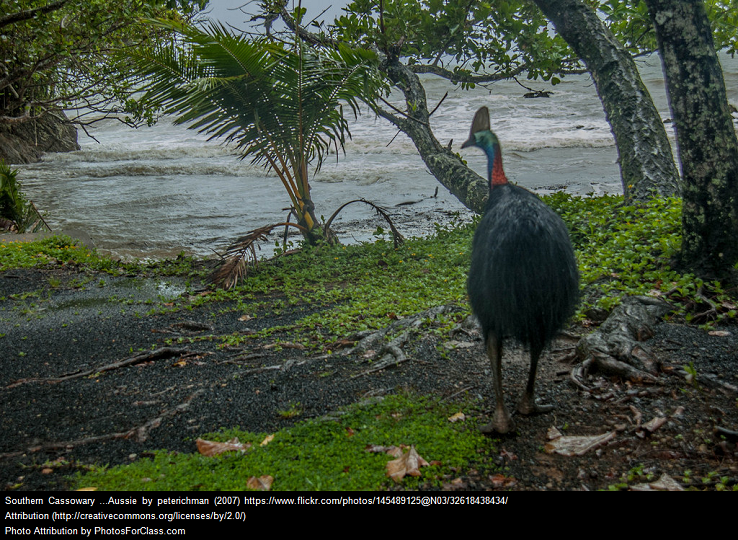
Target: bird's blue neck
(495, 172)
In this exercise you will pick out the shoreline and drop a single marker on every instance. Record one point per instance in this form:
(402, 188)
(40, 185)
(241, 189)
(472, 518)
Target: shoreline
(416, 216)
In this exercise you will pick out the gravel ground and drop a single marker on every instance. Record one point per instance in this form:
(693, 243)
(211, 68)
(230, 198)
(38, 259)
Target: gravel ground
(69, 326)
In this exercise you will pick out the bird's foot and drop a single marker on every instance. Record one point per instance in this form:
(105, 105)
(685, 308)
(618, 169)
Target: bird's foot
(501, 423)
(528, 406)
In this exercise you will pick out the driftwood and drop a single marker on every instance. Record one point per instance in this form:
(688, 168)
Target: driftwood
(616, 348)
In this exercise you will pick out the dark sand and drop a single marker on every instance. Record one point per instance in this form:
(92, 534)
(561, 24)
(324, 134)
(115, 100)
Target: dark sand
(167, 402)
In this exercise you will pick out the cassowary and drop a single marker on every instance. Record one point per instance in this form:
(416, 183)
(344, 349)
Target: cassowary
(523, 281)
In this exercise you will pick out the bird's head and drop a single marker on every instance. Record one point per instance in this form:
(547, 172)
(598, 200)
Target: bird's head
(482, 137)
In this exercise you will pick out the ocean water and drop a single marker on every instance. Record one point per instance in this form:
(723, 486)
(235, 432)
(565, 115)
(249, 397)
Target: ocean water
(154, 192)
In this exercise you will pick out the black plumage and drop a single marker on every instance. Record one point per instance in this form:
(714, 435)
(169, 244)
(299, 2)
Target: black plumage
(523, 281)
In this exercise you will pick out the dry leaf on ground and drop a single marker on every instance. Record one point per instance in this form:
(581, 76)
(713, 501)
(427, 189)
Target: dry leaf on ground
(408, 463)
(212, 448)
(263, 483)
(577, 445)
(665, 483)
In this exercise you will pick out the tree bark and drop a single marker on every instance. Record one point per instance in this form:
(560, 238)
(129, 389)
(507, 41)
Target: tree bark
(646, 163)
(706, 139)
(466, 185)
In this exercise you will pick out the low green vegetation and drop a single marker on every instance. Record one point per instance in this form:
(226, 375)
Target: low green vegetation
(49, 251)
(332, 292)
(57, 251)
(326, 454)
(640, 475)
(622, 250)
(16, 211)
(627, 250)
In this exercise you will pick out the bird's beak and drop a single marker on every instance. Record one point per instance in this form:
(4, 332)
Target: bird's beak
(469, 142)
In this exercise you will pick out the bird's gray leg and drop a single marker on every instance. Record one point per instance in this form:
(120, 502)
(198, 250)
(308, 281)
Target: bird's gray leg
(501, 422)
(528, 404)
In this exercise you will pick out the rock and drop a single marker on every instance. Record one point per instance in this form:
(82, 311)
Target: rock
(27, 141)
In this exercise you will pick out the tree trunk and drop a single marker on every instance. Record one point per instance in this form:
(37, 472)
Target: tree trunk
(646, 162)
(708, 148)
(470, 188)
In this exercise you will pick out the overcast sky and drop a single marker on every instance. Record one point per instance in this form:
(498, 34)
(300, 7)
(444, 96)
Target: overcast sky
(227, 10)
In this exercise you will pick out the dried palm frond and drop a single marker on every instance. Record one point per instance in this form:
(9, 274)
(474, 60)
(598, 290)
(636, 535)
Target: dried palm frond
(240, 255)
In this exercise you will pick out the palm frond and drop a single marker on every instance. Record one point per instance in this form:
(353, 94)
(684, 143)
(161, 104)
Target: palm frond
(240, 255)
(279, 106)
(220, 82)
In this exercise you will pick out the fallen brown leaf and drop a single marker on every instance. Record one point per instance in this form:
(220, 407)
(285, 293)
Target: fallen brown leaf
(263, 483)
(577, 445)
(456, 484)
(211, 448)
(502, 481)
(409, 463)
(665, 483)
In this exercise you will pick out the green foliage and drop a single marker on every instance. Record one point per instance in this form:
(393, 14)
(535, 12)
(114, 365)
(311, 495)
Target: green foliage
(63, 250)
(52, 250)
(59, 56)
(488, 39)
(503, 36)
(621, 250)
(13, 205)
(319, 454)
(280, 105)
(630, 22)
(361, 287)
(628, 250)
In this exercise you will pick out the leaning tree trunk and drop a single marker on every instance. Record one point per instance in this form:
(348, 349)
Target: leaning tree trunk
(470, 188)
(708, 148)
(646, 162)
(466, 185)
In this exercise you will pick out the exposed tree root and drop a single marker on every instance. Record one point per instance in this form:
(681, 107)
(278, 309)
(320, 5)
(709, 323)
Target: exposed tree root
(615, 348)
(162, 352)
(391, 353)
(185, 328)
(138, 434)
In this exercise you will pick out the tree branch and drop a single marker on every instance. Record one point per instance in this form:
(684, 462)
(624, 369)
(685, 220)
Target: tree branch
(11, 120)
(457, 77)
(309, 37)
(31, 13)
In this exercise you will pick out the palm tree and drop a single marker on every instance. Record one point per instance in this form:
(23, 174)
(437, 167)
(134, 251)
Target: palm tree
(281, 105)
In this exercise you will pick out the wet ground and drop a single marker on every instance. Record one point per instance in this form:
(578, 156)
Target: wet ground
(77, 388)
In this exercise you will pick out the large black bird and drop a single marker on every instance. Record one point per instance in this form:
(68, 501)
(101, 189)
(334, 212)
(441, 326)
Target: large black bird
(523, 281)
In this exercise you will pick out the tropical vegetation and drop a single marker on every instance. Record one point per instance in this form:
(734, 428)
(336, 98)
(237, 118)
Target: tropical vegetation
(58, 54)
(17, 214)
(279, 104)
